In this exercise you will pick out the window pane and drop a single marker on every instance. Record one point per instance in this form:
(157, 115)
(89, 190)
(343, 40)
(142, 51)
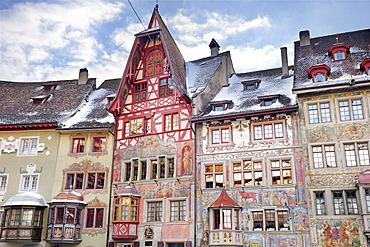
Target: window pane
(357, 109)
(325, 112)
(226, 215)
(344, 111)
(279, 130)
(320, 203)
(215, 136)
(257, 132)
(352, 202)
(99, 144)
(338, 203)
(257, 219)
(268, 131)
(349, 150)
(313, 114)
(363, 153)
(225, 135)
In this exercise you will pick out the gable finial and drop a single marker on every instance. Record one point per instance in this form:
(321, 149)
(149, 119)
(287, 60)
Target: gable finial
(337, 39)
(156, 4)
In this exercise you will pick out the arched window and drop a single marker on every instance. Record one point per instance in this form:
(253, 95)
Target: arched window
(154, 61)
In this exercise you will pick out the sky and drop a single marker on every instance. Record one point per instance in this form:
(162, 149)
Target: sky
(46, 40)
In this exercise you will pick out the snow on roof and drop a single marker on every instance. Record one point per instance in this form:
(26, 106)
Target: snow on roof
(271, 84)
(199, 73)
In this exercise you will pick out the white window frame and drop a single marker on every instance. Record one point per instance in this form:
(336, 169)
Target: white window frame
(324, 155)
(319, 112)
(4, 188)
(356, 153)
(350, 107)
(264, 220)
(224, 138)
(30, 151)
(22, 182)
(264, 130)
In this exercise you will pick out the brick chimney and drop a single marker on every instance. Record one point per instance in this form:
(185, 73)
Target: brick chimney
(215, 47)
(284, 62)
(83, 76)
(304, 38)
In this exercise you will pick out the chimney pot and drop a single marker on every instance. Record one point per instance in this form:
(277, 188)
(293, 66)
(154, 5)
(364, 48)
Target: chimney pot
(83, 76)
(215, 47)
(304, 38)
(284, 62)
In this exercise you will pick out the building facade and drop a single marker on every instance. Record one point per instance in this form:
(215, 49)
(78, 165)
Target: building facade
(332, 84)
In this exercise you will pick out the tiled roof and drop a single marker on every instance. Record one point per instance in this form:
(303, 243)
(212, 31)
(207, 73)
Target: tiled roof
(18, 107)
(340, 71)
(270, 83)
(94, 113)
(224, 201)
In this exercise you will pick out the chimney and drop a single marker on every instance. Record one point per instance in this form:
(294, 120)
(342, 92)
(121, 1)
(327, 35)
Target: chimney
(215, 47)
(83, 76)
(304, 38)
(284, 63)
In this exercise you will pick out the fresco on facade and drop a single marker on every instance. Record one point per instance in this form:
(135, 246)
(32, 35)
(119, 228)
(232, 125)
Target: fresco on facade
(150, 146)
(117, 166)
(253, 240)
(284, 241)
(300, 219)
(279, 197)
(249, 198)
(187, 159)
(338, 233)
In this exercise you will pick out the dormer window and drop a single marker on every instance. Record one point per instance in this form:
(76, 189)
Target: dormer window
(49, 87)
(268, 100)
(38, 100)
(221, 105)
(251, 85)
(365, 65)
(319, 73)
(110, 99)
(339, 51)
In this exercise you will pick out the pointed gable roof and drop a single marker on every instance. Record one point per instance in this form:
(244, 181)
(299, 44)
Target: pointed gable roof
(224, 201)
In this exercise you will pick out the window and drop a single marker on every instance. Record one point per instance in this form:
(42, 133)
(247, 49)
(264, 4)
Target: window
(29, 182)
(164, 87)
(281, 172)
(319, 77)
(95, 180)
(78, 145)
(319, 113)
(220, 107)
(251, 85)
(171, 122)
(221, 135)
(178, 210)
(136, 126)
(357, 154)
(126, 209)
(154, 212)
(99, 144)
(214, 177)
(324, 156)
(74, 181)
(154, 63)
(270, 219)
(28, 146)
(225, 218)
(94, 217)
(268, 101)
(20, 217)
(163, 167)
(3, 182)
(339, 55)
(247, 173)
(320, 203)
(268, 131)
(367, 199)
(350, 110)
(345, 202)
(140, 92)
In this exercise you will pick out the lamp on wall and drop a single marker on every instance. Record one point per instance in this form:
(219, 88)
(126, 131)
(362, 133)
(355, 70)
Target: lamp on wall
(171, 83)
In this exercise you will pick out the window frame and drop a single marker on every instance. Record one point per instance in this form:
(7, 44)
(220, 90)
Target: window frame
(324, 155)
(350, 111)
(131, 203)
(281, 170)
(214, 173)
(99, 146)
(224, 135)
(96, 183)
(182, 210)
(156, 63)
(261, 132)
(320, 113)
(357, 158)
(4, 184)
(263, 222)
(144, 127)
(157, 211)
(320, 210)
(342, 207)
(164, 86)
(96, 216)
(253, 171)
(76, 147)
(30, 182)
(76, 174)
(32, 148)
(171, 122)
(139, 91)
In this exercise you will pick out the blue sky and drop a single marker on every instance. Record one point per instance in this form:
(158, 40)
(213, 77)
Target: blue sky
(51, 40)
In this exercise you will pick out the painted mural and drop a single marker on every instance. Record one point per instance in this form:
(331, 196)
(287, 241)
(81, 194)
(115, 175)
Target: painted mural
(338, 233)
(284, 241)
(279, 197)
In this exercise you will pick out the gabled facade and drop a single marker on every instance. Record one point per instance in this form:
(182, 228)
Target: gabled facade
(29, 145)
(154, 144)
(334, 121)
(248, 144)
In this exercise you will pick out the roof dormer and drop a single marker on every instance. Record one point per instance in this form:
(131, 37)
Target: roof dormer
(365, 65)
(319, 72)
(251, 84)
(339, 51)
(268, 100)
(41, 99)
(50, 87)
(221, 105)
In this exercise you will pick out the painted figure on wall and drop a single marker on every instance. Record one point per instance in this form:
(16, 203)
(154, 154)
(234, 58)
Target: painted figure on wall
(339, 233)
(186, 159)
(117, 167)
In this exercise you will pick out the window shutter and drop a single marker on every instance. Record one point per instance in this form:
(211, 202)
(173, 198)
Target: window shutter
(136, 244)
(188, 243)
(160, 243)
(111, 244)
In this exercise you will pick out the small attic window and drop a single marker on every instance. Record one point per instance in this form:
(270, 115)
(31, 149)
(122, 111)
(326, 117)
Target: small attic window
(251, 85)
(268, 99)
(319, 73)
(221, 105)
(365, 65)
(110, 99)
(38, 100)
(50, 87)
(339, 51)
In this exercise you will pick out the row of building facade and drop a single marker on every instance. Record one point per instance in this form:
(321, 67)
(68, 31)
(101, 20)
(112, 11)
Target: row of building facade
(177, 153)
